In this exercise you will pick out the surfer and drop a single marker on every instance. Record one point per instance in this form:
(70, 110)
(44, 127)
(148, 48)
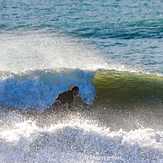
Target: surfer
(66, 97)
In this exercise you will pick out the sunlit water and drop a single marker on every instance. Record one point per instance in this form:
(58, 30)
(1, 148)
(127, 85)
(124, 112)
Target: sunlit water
(47, 46)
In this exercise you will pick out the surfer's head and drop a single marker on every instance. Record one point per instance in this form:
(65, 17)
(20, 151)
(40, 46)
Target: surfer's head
(75, 90)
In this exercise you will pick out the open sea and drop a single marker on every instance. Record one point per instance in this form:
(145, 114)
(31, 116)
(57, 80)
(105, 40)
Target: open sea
(112, 50)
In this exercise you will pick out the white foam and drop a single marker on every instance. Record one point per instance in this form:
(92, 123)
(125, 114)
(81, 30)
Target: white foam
(78, 140)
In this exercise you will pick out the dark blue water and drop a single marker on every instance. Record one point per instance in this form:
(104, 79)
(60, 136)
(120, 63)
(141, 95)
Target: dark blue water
(127, 32)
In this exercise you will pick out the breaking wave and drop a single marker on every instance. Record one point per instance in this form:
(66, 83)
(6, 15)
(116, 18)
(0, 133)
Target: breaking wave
(36, 67)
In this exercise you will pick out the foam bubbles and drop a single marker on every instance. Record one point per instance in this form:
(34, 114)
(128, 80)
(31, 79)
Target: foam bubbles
(78, 140)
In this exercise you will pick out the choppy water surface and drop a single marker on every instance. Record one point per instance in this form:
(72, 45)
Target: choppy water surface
(112, 50)
(129, 32)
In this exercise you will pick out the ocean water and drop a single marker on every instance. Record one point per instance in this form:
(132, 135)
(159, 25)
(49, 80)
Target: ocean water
(112, 50)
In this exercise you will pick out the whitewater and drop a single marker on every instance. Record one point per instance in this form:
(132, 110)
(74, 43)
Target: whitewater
(112, 50)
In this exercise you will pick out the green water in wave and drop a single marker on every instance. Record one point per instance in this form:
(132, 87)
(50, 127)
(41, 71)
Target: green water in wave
(127, 87)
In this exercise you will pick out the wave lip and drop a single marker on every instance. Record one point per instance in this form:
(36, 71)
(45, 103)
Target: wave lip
(23, 51)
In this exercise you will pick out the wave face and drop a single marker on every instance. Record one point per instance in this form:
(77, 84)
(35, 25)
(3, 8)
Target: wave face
(39, 89)
(127, 87)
